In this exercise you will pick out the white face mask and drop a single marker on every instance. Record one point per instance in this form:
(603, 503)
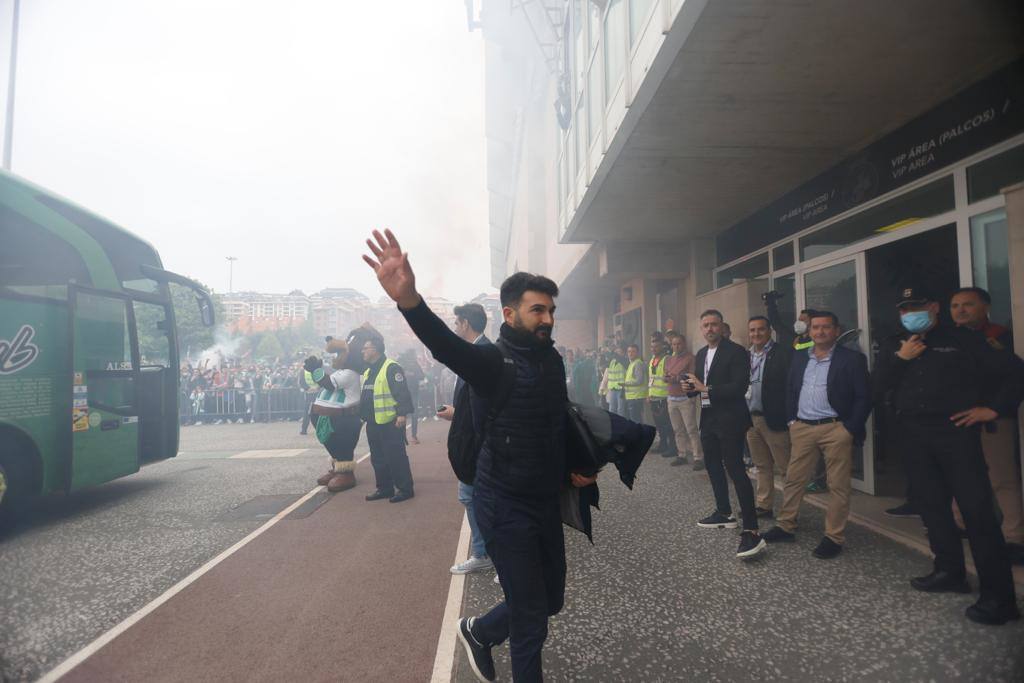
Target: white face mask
(799, 327)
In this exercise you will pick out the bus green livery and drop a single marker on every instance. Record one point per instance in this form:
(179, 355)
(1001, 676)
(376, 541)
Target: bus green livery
(79, 405)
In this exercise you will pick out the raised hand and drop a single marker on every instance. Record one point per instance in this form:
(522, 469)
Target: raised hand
(393, 270)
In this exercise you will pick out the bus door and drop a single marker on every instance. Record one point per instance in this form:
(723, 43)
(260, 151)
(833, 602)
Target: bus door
(157, 390)
(104, 413)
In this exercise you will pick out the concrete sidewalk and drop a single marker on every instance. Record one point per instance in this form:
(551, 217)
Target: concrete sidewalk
(658, 599)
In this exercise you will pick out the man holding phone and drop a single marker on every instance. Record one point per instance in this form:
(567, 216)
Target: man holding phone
(470, 323)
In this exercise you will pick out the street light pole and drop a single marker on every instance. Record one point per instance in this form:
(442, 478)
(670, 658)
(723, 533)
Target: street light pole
(231, 273)
(9, 119)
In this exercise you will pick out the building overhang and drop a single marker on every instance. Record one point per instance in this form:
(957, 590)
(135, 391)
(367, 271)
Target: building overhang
(746, 101)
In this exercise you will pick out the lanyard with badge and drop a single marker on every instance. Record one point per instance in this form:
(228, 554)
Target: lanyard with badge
(705, 400)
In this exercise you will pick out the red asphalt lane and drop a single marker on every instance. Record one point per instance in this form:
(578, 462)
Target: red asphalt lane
(354, 592)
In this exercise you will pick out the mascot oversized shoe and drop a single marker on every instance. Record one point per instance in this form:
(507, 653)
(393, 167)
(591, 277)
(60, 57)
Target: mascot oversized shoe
(343, 478)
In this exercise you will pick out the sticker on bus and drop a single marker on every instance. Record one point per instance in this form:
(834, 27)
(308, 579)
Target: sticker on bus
(79, 419)
(95, 419)
(79, 378)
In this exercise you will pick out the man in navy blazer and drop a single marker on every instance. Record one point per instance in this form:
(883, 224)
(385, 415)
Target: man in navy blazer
(828, 399)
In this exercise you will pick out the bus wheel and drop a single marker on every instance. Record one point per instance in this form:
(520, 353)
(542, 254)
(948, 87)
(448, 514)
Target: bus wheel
(13, 487)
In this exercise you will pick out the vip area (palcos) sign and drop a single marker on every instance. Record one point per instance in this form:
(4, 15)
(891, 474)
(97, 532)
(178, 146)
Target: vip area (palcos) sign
(18, 353)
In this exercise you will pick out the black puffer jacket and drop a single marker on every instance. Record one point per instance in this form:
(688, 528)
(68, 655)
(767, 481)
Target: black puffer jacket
(524, 454)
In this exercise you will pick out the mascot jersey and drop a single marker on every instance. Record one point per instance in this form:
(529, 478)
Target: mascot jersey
(347, 388)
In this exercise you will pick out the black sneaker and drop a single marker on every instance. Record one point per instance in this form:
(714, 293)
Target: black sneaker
(777, 534)
(750, 544)
(680, 460)
(401, 496)
(905, 510)
(379, 495)
(827, 549)
(480, 659)
(716, 520)
(764, 512)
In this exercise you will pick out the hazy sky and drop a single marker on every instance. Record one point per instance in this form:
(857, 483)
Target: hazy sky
(277, 132)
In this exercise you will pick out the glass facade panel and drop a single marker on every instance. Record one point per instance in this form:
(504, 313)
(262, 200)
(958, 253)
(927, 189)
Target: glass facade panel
(594, 102)
(639, 11)
(581, 139)
(594, 27)
(751, 269)
(932, 199)
(614, 47)
(785, 305)
(986, 178)
(990, 261)
(782, 256)
(580, 53)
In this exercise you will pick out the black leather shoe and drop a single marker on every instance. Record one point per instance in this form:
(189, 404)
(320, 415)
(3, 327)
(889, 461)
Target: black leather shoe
(941, 582)
(379, 495)
(993, 613)
(827, 549)
(400, 496)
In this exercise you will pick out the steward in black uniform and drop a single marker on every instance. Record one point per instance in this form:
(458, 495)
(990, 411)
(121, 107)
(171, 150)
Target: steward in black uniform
(945, 383)
(384, 404)
(521, 467)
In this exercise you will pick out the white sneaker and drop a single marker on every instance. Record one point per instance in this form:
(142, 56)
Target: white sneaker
(473, 564)
(497, 580)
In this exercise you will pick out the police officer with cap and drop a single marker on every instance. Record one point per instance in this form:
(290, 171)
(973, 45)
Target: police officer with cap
(945, 383)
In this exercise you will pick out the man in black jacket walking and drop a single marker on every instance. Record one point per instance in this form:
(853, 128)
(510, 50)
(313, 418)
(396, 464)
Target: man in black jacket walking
(521, 467)
(721, 380)
(768, 438)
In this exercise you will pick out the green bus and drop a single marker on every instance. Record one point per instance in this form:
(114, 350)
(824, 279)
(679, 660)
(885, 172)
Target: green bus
(79, 406)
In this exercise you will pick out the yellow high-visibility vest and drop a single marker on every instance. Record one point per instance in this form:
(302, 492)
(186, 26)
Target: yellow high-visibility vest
(616, 374)
(384, 404)
(636, 391)
(658, 386)
(800, 346)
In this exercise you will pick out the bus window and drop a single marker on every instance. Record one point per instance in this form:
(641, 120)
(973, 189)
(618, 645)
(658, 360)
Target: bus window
(154, 341)
(103, 351)
(35, 261)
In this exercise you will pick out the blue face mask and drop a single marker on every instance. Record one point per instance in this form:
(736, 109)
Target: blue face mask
(916, 321)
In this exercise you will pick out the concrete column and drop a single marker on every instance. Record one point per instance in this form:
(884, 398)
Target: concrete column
(1015, 236)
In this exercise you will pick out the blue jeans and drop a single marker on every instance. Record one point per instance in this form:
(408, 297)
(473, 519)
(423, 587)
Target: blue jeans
(617, 402)
(476, 542)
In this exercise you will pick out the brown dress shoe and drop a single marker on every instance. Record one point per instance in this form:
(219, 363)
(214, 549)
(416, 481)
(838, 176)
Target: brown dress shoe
(324, 478)
(341, 481)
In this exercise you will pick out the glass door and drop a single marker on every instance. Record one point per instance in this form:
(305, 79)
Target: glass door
(839, 286)
(104, 413)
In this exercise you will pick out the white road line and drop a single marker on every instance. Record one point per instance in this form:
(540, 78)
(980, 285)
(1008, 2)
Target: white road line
(269, 453)
(444, 660)
(74, 660)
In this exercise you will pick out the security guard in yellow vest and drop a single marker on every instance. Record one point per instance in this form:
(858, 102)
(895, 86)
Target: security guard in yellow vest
(616, 376)
(657, 394)
(803, 341)
(309, 388)
(385, 403)
(635, 385)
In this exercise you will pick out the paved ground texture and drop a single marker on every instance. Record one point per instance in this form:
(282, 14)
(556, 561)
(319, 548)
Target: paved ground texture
(345, 590)
(658, 599)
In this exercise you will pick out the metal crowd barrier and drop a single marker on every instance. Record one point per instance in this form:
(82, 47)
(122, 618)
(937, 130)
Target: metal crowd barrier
(232, 405)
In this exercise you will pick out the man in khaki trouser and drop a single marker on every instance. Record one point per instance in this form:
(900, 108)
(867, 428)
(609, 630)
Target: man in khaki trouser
(969, 307)
(828, 399)
(684, 412)
(768, 438)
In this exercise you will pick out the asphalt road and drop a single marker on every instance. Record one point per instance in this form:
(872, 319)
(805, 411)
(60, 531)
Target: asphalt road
(86, 561)
(658, 599)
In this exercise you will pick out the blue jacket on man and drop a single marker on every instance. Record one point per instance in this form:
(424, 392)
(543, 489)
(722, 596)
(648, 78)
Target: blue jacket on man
(849, 388)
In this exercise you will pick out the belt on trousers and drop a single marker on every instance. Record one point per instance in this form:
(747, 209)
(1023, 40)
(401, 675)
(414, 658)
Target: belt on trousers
(823, 421)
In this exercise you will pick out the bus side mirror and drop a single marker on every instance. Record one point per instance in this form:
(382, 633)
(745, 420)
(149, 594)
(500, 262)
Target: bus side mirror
(205, 310)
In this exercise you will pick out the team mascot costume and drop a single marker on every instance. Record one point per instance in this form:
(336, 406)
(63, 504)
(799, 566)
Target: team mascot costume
(335, 411)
